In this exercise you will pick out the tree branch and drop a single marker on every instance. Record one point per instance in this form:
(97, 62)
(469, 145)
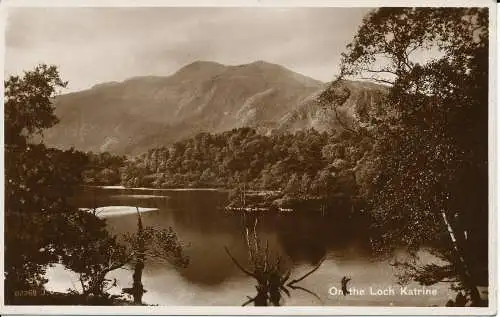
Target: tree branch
(307, 291)
(307, 274)
(250, 300)
(379, 71)
(286, 277)
(238, 265)
(379, 80)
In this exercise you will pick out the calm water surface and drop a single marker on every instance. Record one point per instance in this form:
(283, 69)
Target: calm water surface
(301, 239)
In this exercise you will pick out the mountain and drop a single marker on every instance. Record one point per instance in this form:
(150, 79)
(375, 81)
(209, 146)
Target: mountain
(363, 101)
(143, 112)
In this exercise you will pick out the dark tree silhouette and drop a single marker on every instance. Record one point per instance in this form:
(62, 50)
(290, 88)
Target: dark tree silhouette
(428, 166)
(267, 270)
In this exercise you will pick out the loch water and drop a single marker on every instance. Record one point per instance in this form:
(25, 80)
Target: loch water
(301, 239)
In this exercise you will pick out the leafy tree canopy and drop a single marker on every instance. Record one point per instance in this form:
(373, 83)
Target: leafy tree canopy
(428, 166)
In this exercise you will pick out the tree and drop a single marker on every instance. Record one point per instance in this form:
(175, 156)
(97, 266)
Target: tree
(333, 151)
(92, 253)
(431, 146)
(41, 227)
(37, 181)
(151, 243)
(305, 184)
(322, 183)
(103, 169)
(293, 186)
(28, 103)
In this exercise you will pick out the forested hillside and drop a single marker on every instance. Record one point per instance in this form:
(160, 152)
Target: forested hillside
(304, 161)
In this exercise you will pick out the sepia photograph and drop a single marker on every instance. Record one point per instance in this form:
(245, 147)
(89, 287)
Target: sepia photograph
(301, 157)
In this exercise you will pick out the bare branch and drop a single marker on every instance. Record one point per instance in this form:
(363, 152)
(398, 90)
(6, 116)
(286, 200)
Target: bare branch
(307, 274)
(378, 80)
(287, 292)
(307, 291)
(286, 277)
(238, 265)
(250, 300)
(379, 71)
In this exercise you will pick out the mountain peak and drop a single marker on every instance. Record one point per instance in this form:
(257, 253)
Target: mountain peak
(200, 69)
(146, 111)
(260, 64)
(197, 65)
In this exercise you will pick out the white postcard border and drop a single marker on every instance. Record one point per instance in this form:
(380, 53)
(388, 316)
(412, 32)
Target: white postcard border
(494, 153)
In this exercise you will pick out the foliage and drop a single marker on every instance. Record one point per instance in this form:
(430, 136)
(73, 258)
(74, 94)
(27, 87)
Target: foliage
(41, 227)
(103, 169)
(92, 252)
(147, 243)
(429, 157)
(161, 244)
(28, 103)
(305, 165)
(37, 180)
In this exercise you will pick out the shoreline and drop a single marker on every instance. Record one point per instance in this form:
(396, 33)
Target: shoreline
(113, 211)
(151, 189)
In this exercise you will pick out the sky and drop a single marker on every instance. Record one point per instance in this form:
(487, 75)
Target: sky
(95, 45)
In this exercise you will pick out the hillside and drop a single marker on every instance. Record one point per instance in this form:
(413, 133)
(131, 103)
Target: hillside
(143, 112)
(364, 99)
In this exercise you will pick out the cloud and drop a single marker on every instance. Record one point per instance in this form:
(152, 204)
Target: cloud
(92, 45)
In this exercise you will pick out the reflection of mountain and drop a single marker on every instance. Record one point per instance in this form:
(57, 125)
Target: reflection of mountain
(145, 112)
(305, 247)
(306, 237)
(206, 230)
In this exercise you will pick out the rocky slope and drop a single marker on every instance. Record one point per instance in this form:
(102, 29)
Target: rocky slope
(144, 112)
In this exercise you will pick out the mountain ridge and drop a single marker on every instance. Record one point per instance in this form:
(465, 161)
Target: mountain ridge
(257, 63)
(203, 96)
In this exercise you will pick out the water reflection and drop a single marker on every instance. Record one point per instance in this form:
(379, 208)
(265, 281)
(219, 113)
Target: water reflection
(267, 268)
(300, 240)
